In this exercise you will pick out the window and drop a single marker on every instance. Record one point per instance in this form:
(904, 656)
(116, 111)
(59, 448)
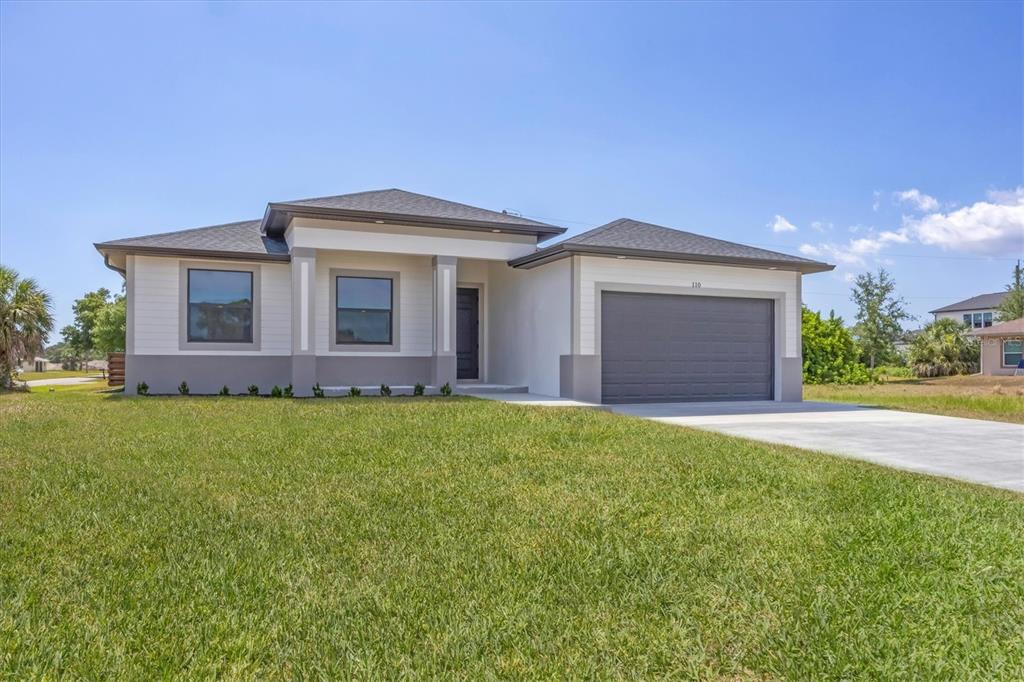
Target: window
(1011, 353)
(977, 320)
(220, 306)
(363, 312)
(967, 319)
(988, 319)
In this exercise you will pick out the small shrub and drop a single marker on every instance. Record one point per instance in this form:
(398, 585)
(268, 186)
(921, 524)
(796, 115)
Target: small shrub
(224, 390)
(254, 389)
(418, 389)
(288, 393)
(275, 392)
(183, 388)
(385, 390)
(317, 391)
(142, 388)
(446, 390)
(354, 392)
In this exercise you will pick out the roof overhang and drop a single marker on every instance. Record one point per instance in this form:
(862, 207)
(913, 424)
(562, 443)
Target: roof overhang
(277, 217)
(559, 251)
(110, 249)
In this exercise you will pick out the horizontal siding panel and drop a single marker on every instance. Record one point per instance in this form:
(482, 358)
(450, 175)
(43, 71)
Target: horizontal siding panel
(415, 299)
(594, 271)
(157, 308)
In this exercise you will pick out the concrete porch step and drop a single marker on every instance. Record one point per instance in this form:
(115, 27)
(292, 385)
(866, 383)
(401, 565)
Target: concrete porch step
(476, 389)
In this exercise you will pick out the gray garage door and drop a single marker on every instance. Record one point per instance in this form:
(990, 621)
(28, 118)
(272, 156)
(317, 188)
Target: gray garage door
(665, 348)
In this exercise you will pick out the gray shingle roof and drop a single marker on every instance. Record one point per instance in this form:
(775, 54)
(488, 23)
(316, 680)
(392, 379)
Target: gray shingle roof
(398, 202)
(981, 302)
(632, 237)
(243, 238)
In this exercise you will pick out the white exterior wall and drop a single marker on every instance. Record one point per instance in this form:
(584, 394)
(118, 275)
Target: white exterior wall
(610, 271)
(959, 314)
(157, 307)
(530, 324)
(415, 304)
(399, 239)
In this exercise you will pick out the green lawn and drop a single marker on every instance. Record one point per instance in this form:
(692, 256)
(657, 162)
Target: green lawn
(339, 538)
(974, 397)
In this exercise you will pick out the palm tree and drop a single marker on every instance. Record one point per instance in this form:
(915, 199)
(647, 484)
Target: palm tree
(26, 317)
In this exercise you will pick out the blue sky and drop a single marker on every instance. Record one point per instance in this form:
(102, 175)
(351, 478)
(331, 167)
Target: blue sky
(119, 120)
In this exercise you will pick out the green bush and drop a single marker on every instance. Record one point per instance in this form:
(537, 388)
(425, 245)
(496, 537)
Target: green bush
(418, 389)
(288, 391)
(830, 353)
(943, 348)
(183, 388)
(446, 390)
(253, 389)
(142, 388)
(318, 392)
(275, 392)
(385, 390)
(354, 392)
(894, 371)
(224, 390)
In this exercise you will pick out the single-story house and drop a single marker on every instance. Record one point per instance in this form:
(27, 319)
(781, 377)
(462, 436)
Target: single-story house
(976, 312)
(400, 288)
(1001, 347)
(39, 364)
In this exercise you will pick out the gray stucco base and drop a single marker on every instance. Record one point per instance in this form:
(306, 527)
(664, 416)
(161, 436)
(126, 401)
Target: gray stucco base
(579, 377)
(206, 374)
(303, 375)
(443, 370)
(792, 380)
(372, 371)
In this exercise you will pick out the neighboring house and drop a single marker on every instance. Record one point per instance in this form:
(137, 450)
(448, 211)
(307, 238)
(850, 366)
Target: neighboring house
(977, 312)
(394, 287)
(1001, 347)
(38, 364)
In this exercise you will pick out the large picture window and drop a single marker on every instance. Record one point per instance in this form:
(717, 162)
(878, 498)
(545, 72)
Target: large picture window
(364, 310)
(220, 306)
(1011, 353)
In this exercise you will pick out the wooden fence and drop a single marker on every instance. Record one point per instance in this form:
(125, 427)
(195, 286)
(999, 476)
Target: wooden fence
(115, 369)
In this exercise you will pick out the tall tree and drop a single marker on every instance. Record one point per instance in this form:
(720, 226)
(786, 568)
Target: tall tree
(880, 314)
(26, 317)
(1012, 307)
(109, 326)
(78, 337)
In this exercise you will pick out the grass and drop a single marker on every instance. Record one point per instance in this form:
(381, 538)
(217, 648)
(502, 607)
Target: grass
(974, 397)
(59, 374)
(339, 538)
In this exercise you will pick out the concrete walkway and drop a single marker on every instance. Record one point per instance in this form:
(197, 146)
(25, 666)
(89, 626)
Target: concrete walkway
(986, 452)
(64, 381)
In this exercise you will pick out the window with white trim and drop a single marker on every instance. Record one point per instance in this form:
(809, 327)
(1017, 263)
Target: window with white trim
(1012, 352)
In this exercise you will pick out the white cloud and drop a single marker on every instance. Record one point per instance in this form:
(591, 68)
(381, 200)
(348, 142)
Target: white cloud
(993, 227)
(819, 226)
(876, 200)
(855, 251)
(917, 199)
(780, 224)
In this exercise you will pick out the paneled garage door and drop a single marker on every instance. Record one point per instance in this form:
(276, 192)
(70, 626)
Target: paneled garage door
(668, 348)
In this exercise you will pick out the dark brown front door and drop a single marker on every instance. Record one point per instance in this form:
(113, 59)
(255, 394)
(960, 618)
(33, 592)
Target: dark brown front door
(467, 333)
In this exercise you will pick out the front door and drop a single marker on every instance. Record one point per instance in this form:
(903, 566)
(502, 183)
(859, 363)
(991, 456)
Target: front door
(467, 333)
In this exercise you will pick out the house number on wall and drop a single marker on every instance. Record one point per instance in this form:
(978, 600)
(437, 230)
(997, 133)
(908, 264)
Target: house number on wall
(696, 285)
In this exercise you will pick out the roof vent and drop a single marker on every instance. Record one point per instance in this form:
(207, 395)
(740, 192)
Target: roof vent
(509, 211)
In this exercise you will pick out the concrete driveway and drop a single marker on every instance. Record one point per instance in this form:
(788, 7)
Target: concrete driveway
(990, 453)
(64, 381)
